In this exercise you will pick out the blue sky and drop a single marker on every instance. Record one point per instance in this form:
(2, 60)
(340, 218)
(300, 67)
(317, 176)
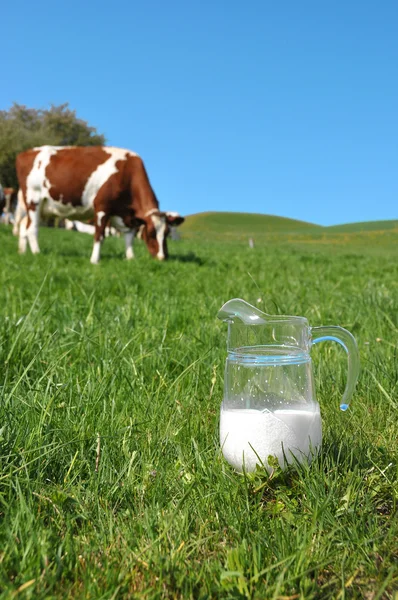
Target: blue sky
(287, 108)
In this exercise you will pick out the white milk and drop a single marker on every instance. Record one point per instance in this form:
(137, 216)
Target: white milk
(249, 436)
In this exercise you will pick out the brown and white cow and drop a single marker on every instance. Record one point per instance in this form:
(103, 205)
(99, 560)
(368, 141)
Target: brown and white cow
(8, 201)
(81, 183)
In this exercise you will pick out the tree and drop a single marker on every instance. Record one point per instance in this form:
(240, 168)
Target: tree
(22, 128)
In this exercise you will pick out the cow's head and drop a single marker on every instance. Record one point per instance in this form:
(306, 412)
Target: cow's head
(156, 229)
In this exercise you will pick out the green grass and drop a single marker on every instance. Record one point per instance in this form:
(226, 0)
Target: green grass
(128, 358)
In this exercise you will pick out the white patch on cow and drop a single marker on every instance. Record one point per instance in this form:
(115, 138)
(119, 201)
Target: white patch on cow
(102, 174)
(140, 232)
(87, 228)
(100, 215)
(69, 225)
(84, 227)
(151, 212)
(95, 256)
(160, 228)
(33, 231)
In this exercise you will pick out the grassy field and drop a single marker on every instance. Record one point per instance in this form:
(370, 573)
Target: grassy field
(112, 484)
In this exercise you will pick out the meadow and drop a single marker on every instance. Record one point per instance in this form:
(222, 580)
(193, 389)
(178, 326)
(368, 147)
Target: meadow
(112, 482)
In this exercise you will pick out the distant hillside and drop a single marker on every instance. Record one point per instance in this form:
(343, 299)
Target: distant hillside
(229, 224)
(233, 225)
(365, 226)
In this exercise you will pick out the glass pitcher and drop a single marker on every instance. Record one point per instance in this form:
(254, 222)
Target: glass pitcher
(269, 406)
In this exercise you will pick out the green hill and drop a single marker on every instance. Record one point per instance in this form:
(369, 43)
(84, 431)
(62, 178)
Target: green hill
(229, 224)
(364, 226)
(234, 225)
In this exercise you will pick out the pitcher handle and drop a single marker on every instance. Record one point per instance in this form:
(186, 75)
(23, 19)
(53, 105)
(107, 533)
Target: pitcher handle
(347, 340)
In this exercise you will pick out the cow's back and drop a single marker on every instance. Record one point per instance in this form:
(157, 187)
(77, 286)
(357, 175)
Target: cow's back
(69, 175)
(70, 170)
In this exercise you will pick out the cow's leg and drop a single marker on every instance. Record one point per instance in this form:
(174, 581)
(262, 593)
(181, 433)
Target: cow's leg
(32, 201)
(101, 220)
(33, 228)
(7, 209)
(19, 213)
(119, 226)
(129, 238)
(23, 236)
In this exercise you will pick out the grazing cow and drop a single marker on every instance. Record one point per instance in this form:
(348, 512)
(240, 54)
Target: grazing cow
(8, 197)
(81, 183)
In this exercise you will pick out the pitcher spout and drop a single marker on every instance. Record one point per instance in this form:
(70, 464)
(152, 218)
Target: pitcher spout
(240, 309)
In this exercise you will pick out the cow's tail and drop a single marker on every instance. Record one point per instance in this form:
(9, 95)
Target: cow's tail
(20, 212)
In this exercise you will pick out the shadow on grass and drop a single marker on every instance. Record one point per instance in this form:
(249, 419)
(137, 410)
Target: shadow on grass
(67, 253)
(109, 255)
(191, 257)
(356, 454)
(354, 459)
